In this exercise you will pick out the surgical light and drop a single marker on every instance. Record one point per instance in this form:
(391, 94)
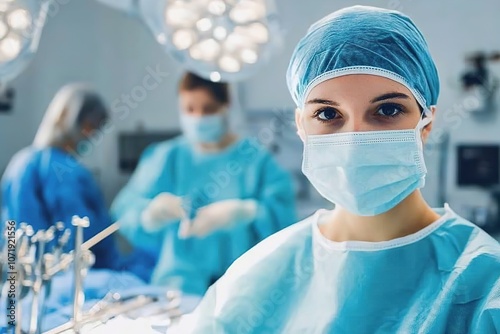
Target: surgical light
(183, 39)
(247, 11)
(19, 19)
(21, 24)
(257, 32)
(217, 39)
(10, 47)
(216, 7)
(227, 37)
(215, 76)
(229, 64)
(209, 49)
(220, 33)
(4, 29)
(204, 24)
(249, 56)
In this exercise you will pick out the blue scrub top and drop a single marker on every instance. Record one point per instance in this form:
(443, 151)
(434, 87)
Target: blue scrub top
(244, 170)
(44, 186)
(443, 279)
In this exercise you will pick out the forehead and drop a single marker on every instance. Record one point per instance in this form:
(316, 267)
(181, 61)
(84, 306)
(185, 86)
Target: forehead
(198, 95)
(359, 87)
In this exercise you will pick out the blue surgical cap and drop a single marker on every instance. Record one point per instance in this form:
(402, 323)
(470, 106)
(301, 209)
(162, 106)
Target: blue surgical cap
(364, 40)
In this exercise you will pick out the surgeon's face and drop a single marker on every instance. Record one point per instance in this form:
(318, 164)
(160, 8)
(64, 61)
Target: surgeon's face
(359, 102)
(199, 102)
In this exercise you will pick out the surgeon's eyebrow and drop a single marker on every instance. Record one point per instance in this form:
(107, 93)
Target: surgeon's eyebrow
(394, 95)
(322, 101)
(387, 96)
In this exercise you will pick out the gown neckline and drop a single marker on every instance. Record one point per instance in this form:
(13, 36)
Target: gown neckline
(446, 214)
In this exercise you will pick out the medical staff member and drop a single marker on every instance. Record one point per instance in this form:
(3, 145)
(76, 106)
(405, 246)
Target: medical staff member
(45, 183)
(228, 192)
(382, 261)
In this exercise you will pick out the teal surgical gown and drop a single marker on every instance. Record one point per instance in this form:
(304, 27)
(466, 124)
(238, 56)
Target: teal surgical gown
(244, 170)
(443, 279)
(45, 186)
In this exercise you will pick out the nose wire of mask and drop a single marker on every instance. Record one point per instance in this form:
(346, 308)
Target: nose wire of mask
(204, 129)
(367, 173)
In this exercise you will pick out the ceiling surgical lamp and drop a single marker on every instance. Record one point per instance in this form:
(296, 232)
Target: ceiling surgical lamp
(21, 24)
(217, 39)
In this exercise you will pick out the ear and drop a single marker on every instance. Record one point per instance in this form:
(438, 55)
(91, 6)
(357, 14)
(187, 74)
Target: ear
(426, 131)
(298, 123)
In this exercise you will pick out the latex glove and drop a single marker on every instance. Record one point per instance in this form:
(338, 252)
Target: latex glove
(164, 209)
(222, 215)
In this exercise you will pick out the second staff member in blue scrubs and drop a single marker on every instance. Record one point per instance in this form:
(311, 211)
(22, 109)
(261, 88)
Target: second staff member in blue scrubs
(196, 203)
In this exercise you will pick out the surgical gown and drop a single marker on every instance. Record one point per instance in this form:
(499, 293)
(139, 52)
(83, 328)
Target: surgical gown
(443, 279)
(44, 186)
(244, 170)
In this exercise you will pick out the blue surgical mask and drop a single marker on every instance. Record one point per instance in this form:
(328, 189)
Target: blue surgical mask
(366, 173)
(204, 129)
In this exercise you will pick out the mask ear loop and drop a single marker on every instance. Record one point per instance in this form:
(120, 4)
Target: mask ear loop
(424, 120)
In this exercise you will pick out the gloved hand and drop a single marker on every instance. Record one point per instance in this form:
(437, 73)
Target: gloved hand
(164, 209)
(222, 215)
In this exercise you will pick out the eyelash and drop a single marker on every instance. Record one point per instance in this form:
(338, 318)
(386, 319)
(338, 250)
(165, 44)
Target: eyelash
(401, 111)
(323, 109)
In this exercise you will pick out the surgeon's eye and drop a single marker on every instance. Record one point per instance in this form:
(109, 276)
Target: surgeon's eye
(390, 110)
(326, 114)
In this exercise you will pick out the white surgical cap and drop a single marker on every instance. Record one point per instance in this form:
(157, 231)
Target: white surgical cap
(79, 102)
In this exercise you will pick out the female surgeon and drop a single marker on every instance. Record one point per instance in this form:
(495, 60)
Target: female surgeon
(197, 202)
(45, 183)
(382, 261)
